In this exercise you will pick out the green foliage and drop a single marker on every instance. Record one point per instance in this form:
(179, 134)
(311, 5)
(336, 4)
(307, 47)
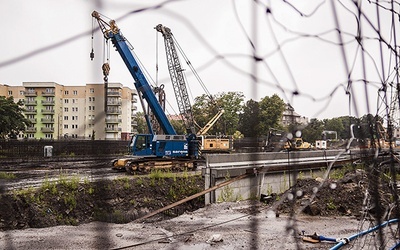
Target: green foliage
(205, 107)
(271, 112)
(249, 119)
(313, 131)
(237, 135)
(12, 120)
(179, 126)
(227, 191)
(91, 190)
(339, 173)
(334, 124)
(141, 123)
(330, 204)
(8, 176)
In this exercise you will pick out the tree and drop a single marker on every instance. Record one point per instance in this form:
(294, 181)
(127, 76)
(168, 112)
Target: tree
(347, 121)
(232, 103)
(205, 107)
(249, 119)
(271, 112)
(334, 124)
(313, 131)
(12, 119)
(179, 126)
(141, 126)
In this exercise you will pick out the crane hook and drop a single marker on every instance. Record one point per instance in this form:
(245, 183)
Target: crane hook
(92, 55)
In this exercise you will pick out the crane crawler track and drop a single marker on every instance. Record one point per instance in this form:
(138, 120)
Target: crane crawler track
(143, 165)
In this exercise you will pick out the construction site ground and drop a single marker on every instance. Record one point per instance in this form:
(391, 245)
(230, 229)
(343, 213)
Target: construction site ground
(102, 215)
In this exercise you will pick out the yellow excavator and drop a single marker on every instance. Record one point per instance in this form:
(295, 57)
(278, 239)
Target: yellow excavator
(214, 143)
(278, 140)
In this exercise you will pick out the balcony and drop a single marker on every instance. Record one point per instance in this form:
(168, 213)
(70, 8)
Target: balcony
(47, 120)
(30, 130)
(45, 102)
(48, 93)
(30, 102)
(113, 120)
(113, 93)
(113, 130)
(30, 111)
(30, 93)
(114, 111)
(114, 103)
(32, 120)
(134, 107)
(47, 130)
(134, 100)
(47, 111)
(134, 123)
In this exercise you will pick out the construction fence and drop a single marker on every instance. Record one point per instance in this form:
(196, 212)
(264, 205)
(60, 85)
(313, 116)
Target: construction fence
(27, 150)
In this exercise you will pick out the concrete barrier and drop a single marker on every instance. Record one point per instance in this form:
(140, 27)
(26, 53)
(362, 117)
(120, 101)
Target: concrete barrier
(273, 172)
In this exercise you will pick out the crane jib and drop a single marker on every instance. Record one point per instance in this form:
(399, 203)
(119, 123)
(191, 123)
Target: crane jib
(141, 82)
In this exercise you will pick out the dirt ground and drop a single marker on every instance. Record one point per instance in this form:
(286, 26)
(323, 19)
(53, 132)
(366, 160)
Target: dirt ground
(218, 226)
(69, 214)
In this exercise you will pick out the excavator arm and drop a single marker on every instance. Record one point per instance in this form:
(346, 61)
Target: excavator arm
(211, 123)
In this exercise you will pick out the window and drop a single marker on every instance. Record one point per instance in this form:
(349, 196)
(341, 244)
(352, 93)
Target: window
(65, 109)
(90, 99)
(48, 136)
(65, 118)
(9, 92)
(75, 92)
(66, 126)
(91, 90)
(21, 92)
(93, 98)
(66, 92)
(66, 101)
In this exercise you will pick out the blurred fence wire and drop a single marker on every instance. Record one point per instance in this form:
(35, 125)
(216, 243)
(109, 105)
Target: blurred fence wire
(362, 33)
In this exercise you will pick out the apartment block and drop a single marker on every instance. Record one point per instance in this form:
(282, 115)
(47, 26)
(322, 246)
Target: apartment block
(92, 111)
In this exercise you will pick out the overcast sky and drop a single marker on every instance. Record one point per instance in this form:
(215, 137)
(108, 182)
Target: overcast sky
(45, 40)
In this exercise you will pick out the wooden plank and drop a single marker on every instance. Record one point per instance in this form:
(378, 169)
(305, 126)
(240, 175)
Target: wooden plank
(193, 197)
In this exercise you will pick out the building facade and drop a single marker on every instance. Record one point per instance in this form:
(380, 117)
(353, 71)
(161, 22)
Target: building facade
(291, 117)
(92, 111)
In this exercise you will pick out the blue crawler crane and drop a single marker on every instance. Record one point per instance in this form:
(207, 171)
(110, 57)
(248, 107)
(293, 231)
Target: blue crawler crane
(149, 151)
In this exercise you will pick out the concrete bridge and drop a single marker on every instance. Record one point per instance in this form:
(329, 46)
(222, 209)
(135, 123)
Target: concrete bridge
(270, 172)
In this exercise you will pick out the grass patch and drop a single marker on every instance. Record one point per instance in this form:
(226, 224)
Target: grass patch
(7, 176)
